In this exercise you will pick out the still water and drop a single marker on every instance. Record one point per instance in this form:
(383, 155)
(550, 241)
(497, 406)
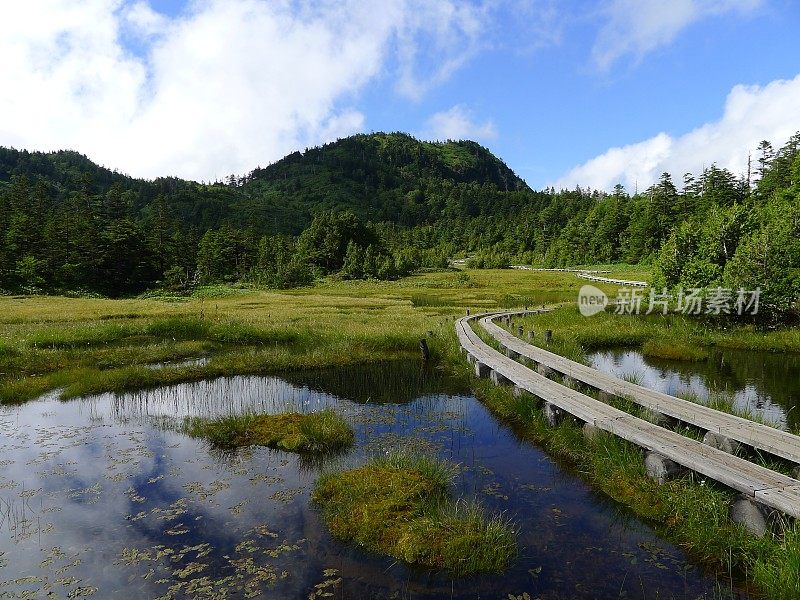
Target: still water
(764, 383)
(102, 497)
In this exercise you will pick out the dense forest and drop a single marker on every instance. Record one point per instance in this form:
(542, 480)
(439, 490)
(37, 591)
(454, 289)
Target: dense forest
(382, 206)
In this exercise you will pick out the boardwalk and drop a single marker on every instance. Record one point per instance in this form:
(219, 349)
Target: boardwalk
(758, 484)
(626, 282)
(756, 435)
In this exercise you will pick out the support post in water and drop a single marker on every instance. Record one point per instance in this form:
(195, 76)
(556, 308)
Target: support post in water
(750, 515)
(553, 415)
(481, 369)
(660, 468)
(498, 379)
(721, 442)
(423, 346)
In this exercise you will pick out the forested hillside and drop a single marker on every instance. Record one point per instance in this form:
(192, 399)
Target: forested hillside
(383, 205)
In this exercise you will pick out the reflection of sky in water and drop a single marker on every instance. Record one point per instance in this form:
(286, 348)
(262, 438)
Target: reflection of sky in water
(96, 493)
(700, 379)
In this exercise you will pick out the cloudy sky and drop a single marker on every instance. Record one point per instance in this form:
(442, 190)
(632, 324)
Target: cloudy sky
(565, 91)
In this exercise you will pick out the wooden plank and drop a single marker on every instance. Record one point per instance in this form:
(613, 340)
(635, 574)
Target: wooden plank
(623, 282)
(768, 487)
(757, 435)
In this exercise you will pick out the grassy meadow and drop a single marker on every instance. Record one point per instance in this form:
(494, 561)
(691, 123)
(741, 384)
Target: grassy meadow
(83, 346)
(671, 336)
(88, 345)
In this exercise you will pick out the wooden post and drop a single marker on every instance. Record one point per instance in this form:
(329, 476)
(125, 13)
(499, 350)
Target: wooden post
(531, 336)
(423, 346)
(521, 330)
(467, 312)
(548, 335)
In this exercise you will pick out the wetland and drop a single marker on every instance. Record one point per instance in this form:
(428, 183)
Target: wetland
(102, 496)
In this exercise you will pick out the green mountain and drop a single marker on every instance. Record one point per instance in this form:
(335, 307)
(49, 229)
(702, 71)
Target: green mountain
(379, 177)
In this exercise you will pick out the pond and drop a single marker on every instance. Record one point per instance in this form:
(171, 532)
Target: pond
(101, 496)
(763, 383)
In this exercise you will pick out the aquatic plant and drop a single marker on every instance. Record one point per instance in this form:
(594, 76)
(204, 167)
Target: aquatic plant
(399, 505)
(323, 431)
(674, 350)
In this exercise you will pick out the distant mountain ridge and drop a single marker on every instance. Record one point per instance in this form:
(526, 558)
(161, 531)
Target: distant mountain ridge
(379, 176)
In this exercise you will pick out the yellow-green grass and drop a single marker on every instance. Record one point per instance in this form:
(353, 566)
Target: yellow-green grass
(622, 271)
(672, 336)
(344, 323)
(673, 350)
(322, 431)
(400, 506)
(92, 345)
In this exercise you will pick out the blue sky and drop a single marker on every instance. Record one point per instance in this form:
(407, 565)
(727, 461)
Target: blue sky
(569, 92)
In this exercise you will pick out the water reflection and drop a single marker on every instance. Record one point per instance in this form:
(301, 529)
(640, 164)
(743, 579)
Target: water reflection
(96, 496)
(766, 384)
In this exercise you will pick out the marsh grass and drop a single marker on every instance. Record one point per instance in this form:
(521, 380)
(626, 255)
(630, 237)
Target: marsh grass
(399, 505)
(94, 345)
(674, 336)
(689, 511)
(780, 573)
(318, 432)
(674, 350)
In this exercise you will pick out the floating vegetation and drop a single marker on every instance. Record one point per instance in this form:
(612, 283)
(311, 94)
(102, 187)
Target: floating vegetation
(399, 505)
(323, 431)
(183, 568)
(674, 350)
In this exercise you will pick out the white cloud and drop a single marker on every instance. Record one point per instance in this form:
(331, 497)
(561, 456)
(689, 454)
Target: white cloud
(457, 123)
(226, 85)
(637, 27)
(434, 40)
(751, 114)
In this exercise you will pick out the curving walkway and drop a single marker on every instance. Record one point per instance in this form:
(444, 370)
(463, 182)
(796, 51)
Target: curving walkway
(759, 485)
(586, 274)
(589, 276)
(756, 435)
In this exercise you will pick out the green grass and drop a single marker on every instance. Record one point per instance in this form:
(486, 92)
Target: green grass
(400, 506)
(674, 336)
(93, 345)
(688, 511)
(673, 350)
(318, 432)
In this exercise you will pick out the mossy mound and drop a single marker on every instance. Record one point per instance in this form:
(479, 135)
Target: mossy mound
(400, 507)
(323, 431)
(674, 350)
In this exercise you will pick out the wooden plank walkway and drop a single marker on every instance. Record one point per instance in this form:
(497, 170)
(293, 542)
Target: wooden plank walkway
(624, 282)
(757, 435)
(762, 485)
(529, 268)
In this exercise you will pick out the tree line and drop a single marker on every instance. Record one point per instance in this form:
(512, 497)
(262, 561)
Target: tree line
(383, 206)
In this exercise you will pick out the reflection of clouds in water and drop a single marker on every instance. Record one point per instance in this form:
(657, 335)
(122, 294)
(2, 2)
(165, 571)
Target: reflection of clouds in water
(121, 482)
(746, 396)
(100, 476)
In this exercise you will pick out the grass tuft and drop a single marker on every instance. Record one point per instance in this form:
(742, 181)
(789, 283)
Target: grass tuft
(399, 505)
(674, 350)
(323, 431)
